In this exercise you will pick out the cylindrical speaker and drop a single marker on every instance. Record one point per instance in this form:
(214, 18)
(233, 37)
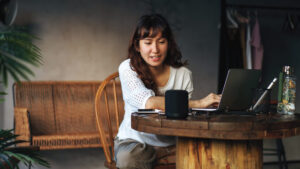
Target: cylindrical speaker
(176, 104)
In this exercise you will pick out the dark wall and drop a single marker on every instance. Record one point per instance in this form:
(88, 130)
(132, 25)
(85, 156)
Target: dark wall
(199, 42)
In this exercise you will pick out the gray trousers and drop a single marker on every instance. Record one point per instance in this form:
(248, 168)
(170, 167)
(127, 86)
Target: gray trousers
(131, 154)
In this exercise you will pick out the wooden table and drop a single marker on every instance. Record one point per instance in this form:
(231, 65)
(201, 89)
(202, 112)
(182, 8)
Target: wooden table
(219, 141)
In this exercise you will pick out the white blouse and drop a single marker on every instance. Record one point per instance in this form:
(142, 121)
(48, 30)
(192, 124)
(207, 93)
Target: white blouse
(135, 96)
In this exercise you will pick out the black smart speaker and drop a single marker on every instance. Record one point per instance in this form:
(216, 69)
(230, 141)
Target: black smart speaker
(176, 104)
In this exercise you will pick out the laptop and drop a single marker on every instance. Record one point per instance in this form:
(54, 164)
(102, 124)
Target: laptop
(238, 91)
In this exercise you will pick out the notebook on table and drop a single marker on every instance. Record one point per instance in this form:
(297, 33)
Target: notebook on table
(238, 91)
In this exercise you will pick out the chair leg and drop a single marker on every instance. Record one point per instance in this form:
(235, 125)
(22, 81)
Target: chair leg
(281, 154)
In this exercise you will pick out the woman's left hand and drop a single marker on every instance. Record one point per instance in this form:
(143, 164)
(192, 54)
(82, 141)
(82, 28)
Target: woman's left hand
(211, 100)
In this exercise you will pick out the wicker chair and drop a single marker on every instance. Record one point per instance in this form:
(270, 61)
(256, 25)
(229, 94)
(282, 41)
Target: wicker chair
(107, 124)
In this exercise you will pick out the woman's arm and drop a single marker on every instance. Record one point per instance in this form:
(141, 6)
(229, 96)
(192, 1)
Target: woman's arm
(208, 101)
(155, 102)
(158, 102)
(135, 94)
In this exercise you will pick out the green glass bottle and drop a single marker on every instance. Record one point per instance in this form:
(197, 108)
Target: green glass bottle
(288, 95)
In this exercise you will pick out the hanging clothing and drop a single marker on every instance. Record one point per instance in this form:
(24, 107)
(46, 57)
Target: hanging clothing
(258, 48)
(232, 55)
(243, 44)
(231, 50)
(248, 48)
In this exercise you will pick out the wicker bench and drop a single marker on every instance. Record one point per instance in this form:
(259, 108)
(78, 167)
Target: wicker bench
(57, 115)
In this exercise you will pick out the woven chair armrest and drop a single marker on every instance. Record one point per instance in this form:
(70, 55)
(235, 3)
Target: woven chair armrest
(22, 126)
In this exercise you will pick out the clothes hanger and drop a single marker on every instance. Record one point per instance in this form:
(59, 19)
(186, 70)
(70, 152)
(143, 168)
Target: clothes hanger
(231, 20)
(240, 18)
(294, 20)
(291, 23)
(286, 25)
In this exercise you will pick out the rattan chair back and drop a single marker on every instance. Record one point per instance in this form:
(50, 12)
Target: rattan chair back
(109, 114)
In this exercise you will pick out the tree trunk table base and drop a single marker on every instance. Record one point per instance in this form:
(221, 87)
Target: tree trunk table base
(196, 153)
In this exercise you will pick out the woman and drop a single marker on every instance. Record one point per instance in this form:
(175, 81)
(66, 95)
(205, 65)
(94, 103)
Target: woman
(153, 66)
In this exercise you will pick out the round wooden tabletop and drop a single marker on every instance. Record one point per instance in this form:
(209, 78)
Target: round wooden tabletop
(220, 126)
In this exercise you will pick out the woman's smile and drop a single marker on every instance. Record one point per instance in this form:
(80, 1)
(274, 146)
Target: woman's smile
(155, 58)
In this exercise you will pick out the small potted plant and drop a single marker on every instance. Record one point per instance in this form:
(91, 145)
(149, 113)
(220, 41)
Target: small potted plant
(17, 51)
(10, 154)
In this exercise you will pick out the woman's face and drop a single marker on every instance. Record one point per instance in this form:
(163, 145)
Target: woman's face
(154, 50)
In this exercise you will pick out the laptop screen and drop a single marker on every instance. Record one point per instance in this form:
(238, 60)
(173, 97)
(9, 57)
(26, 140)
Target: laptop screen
(239, 89)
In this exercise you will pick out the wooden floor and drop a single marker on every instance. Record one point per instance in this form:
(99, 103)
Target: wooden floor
(94, 159)
(290, 166)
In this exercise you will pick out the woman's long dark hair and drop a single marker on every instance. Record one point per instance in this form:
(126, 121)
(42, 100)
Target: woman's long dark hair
(150, 26)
